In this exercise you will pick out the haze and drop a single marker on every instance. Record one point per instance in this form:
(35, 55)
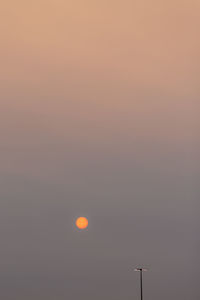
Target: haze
(99, 118)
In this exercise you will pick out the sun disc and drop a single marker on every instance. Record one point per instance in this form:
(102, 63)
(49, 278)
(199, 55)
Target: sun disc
(82, 222)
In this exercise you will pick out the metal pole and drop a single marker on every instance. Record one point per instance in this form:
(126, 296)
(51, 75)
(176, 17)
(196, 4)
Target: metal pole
(141, 270)
(141, 291)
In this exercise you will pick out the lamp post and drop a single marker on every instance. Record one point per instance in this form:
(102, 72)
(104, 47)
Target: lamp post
(141, 283)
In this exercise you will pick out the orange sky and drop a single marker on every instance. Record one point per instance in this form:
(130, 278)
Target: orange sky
(99, 112)
(152, 44)
(107, 67)
(100, 72)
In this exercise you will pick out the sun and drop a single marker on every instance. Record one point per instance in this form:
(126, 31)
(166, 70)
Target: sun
(82, 222)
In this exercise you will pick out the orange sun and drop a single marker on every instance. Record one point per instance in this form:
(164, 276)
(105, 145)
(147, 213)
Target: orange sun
(82, 223)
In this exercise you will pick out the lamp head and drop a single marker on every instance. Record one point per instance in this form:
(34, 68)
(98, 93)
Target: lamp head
(139, 269)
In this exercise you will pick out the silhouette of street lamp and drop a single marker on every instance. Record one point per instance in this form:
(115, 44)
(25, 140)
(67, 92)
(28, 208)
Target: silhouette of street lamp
(141, 283)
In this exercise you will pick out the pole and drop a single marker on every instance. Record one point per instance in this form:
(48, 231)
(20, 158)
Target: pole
(141, 291)
(141, 270)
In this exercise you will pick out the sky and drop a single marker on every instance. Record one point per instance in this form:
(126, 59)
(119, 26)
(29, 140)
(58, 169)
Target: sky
(99, 112)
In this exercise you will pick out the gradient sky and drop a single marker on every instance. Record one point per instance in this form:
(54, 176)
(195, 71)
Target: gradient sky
(99, 117)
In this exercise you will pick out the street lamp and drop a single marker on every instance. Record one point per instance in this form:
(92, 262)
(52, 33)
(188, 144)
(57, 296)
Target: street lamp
(141, 286)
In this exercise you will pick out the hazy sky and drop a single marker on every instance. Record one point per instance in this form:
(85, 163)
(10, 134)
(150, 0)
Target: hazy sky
(99, 117)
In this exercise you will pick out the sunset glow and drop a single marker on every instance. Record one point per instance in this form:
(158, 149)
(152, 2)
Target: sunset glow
(99, 148)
